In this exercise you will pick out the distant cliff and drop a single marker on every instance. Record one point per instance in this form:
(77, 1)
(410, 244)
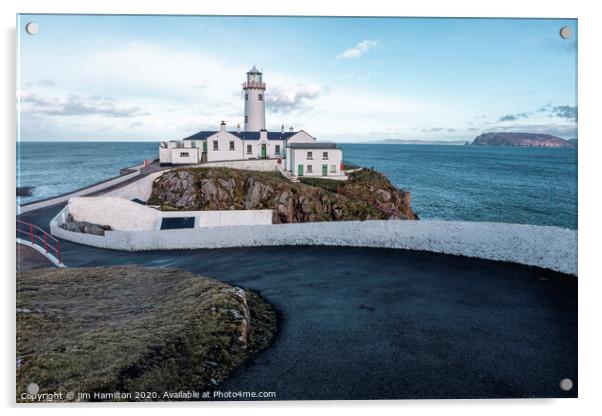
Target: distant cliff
(522, 139)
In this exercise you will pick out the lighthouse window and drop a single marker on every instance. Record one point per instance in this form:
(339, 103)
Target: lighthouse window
(232, 145)
(325, 155)
(246, 119)
(310, 156)
(260, 97)
(249, 149)
(277, 149)
(246, 97)
(215, 145)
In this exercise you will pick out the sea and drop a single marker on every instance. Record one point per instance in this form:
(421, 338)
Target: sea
(465, 183)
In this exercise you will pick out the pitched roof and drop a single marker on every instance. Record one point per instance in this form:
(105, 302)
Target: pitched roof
(245, 135)
(321, 145)
(254, 71)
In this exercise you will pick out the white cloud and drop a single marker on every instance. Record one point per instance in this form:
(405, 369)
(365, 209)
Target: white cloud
(358, 50)
(76, 105)
(284, 100)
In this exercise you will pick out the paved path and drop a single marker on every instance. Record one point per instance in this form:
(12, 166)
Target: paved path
(28, 258)
(361, 323)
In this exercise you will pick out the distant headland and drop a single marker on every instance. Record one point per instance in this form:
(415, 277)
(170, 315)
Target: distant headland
(523, 140)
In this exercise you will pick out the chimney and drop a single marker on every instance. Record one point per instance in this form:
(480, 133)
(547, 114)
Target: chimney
(282, 129)
(290, 129)
(222, 126)
(238, 128)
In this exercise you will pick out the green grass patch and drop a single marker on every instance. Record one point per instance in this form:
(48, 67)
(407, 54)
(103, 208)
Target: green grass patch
(129, 329)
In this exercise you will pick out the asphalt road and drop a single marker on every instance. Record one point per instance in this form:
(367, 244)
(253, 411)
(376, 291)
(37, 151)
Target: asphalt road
(358, 323)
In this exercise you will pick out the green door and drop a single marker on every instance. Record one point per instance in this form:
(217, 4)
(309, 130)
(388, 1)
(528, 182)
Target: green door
(263, 151)
(324, 170)
(205, 146)
(300, 170)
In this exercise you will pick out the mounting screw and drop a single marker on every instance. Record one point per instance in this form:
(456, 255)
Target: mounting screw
(32, 28)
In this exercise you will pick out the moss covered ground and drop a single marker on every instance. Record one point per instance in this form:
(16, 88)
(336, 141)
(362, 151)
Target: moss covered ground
(129, 329)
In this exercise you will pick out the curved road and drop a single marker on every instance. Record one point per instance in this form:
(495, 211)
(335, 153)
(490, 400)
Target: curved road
(361, 323)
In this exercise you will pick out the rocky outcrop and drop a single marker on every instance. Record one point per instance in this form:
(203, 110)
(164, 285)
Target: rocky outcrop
(521, 139)
(366, 195)
(84, 227)
(25, 190)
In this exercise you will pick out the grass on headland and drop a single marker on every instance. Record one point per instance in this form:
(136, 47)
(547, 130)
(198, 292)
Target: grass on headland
(127, 329)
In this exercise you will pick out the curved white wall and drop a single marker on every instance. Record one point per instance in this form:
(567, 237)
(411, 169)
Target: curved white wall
(547, 247)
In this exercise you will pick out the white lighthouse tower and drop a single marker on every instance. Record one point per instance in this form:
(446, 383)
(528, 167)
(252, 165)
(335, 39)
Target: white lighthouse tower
(254, 90)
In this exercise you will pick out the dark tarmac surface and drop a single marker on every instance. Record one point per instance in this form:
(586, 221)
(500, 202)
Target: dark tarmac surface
(358, 323)
(28, 259)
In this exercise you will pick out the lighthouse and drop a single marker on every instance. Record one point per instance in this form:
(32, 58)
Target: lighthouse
(254, 90)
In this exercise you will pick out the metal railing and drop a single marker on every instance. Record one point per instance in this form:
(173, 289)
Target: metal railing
(39, 237)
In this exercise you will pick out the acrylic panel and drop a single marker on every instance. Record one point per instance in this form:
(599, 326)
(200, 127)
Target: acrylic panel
(295, 208)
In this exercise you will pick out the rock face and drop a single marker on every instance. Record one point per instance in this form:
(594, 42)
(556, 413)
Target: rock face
(84, 227)
(25, 190)
(366, 195)
(522, 139)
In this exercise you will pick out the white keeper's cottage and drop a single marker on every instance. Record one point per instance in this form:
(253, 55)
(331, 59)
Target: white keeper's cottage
(294, 153)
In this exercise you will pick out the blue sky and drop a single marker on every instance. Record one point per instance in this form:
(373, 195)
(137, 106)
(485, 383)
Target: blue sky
(345, 79)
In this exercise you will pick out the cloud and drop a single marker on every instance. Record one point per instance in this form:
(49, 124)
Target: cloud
(562, 111)
(433, 130)
(565, 111)
(358, 50)
(283, 100)
(76, 105)
(41, 83)
(513, 117)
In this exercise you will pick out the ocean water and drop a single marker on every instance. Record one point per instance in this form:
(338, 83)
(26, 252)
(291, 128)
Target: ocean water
(480, 183)
(468, 183)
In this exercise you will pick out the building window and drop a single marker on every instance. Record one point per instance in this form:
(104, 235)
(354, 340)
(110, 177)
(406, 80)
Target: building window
(246, 119)
(215, 145)
(246, 97)
(184, 154)
(309, 169)
(260, 97)
(193, 144)
(277, 149)
(231, 144)
(325, 155)
(249, 149)
(310, 156)
(333, 168)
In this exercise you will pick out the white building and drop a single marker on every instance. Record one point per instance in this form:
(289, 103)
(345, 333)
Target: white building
(297, 153)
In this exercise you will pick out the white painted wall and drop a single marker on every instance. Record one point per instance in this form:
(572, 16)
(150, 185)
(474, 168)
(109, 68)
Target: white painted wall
(254, 109)
(118, 213)
(124, 215)
(187, 155)
(301, 157)
(140, 189)
(165, 155)
(223, 139)
(264, 165)
(548, 247)
(301, 137)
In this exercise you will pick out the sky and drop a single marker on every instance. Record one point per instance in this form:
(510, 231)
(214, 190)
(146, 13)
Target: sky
(150, 78)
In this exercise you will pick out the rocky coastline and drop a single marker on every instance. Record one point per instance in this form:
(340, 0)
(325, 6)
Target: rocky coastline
(366, 195)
